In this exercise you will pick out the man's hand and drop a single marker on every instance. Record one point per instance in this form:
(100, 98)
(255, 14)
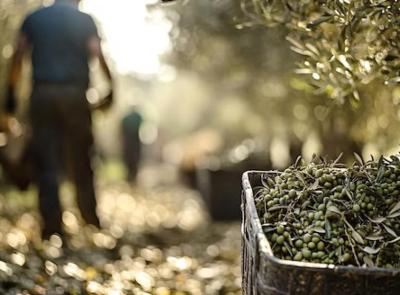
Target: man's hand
(10, 104)
(104, 104)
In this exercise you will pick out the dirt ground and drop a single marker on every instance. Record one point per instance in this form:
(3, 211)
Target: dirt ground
(157, 239)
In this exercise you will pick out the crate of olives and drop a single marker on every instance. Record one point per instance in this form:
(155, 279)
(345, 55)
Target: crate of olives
(321, 228)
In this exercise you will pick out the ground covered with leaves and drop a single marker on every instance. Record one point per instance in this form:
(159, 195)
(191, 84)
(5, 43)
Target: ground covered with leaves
(155, 241)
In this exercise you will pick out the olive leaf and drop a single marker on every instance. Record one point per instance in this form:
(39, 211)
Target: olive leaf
(377, 220)
(270, 181)
(381, 170)
(268, 230)
(368, 261)
(287, 246)
(294, 42)
(389, 230)
(319, 21)
(357, 237)
(394, 241)
(298, 160)
(302, 51)
(304, 71)
(395, 208)
(319, 230)
(314, 185)
(374, 238)
(359, 159)
(348, 194)
(277, 208)
(312, 48)
(371, 251)
(395, 80)
(328, 229)
(394, 215)
(334, 209)
(300, 177)
(337, 159)
(264, 181)
(337, 253)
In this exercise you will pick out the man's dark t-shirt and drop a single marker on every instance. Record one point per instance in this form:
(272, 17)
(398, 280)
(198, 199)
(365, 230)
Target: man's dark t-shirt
(59, 36)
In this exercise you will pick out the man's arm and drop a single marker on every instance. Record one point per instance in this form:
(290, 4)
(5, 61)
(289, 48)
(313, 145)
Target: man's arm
(15, 72)
(96, 51)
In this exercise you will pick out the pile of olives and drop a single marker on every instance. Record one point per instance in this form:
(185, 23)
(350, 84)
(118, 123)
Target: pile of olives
(325, 213)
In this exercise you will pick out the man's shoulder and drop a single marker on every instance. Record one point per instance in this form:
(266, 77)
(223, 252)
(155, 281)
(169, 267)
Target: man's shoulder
(34, 14)
(47, 11)
(39, 13)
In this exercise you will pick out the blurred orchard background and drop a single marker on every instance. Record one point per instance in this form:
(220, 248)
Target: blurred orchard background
(220, 83)
(222, 72)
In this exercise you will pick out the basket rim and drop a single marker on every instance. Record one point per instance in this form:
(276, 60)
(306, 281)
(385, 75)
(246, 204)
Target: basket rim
(266, 250)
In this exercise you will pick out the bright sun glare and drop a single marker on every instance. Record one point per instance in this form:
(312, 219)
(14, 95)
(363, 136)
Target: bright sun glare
(133, 37)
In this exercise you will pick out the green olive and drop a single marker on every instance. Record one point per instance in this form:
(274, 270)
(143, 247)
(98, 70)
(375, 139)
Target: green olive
(389, 201)
(320, 254)
(306, 253)
(307, 238)
(280, 229)
(280, 240)
(298, 256)
(346, 257)
(317, 215)
(314, 255)
(311, 245)
(292, 193)
(299, 243)
(315, 239)
(356, 208)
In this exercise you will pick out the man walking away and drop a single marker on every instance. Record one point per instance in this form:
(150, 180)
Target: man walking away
(131, 144)
(62, 40)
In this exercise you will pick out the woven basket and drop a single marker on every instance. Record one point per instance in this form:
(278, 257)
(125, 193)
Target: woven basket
(263, 273)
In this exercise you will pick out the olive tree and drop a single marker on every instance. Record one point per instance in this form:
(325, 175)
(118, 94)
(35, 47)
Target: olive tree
(213, 40)
(345, 44)
(349, 58)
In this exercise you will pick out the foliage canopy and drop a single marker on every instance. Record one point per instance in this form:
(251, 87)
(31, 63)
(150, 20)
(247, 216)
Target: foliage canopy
(344, 44)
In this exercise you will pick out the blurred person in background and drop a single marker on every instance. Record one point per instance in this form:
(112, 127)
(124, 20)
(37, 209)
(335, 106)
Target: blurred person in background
(62, 40)
(131, 144)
